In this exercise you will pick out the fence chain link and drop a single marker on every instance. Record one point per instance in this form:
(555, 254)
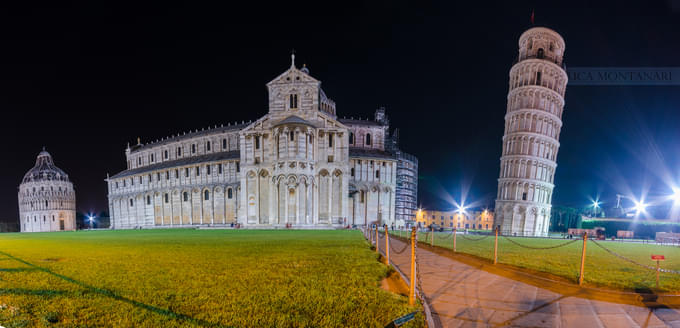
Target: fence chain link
(632, 261)
(419, 284)
(541, 248)
(406, 245)
(474, 239)
(446, 236)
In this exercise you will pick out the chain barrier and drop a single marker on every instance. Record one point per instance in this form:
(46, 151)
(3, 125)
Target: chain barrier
(446, 236)
(633, 261)
(406, 245)
(541, 248)
(419, 283)
(474, 239)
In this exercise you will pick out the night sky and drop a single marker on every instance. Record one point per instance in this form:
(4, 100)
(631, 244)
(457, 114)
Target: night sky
(84, 81)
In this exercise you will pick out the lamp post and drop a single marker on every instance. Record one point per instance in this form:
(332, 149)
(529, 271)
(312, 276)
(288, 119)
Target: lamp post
(91, 219)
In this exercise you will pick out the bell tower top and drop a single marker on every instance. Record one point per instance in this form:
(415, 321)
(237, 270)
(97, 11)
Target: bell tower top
(541, 43)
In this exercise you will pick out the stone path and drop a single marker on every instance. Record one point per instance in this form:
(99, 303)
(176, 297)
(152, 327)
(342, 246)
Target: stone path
(464, 296)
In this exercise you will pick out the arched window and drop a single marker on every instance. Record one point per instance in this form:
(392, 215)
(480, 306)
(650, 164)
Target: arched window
(179, 151)
(198, 171)
(368, 139)
(292, 135)
(167, 198)
(224, 144)
(165, 154)
(185, 196)
(257, 142)
(540, 54)
(293, 101)
(193, 148)
(186, 172)
(206, 195)
(351, 138)
(330, 140)
(377, 174)
(538, 78)
(207, 146)
(352, 171)
(131, 202)
(229, 193)
(148, 200)
(207, 168)
(46, 205)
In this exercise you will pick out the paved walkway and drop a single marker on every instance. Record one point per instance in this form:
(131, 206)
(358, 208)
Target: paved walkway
(461, 295)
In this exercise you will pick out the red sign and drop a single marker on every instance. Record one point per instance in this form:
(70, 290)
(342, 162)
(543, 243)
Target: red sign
(658, 257)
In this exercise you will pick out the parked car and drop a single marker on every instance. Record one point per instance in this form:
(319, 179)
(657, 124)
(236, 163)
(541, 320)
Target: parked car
(435, 227)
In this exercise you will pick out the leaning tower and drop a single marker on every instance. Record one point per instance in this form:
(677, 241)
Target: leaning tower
(532, 131)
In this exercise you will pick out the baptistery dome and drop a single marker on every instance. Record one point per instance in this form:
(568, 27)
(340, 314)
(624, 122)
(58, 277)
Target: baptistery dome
(47, 200)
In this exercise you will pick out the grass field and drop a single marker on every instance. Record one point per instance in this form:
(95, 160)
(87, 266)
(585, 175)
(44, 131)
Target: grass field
(601, 270)
(194, 278)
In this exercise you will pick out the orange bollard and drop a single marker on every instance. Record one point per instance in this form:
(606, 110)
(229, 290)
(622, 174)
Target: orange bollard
(455, 230)
(387, 246)
(412, 287)
(495, 248)
(377, 250)
(583, 258)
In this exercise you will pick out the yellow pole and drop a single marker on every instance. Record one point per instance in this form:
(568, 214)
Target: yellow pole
(495, 248)
(432, 237)
(387, 245)
(412, 287)
(377, 250)
(455, 230)
(583, 258)
(657, 274)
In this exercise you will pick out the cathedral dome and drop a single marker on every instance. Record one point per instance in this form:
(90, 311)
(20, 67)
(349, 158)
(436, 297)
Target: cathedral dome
(45, 170)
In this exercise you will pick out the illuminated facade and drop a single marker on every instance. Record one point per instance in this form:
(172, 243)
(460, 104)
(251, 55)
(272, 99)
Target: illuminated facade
(47, 199)
(299, 166)
(470, 219)
(532, 130)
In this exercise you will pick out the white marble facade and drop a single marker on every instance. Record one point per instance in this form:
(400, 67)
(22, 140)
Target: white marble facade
(297, 166)
(47, 199)
(532, 130)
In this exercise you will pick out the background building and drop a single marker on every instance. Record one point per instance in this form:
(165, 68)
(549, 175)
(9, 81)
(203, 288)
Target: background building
(298, 165)
(47, 200)
(470, 219)
(532, 130)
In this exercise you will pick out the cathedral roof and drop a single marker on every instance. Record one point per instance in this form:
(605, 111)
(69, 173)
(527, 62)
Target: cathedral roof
(234, 154)
(352, 121)
(370, 153)
(44, 170)
(190, 135)
(293, 119)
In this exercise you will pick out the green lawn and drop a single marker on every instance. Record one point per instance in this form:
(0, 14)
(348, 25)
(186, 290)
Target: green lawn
(601, 269)
(194, 278)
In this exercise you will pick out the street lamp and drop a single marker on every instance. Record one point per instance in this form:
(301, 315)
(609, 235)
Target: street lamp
(639, 207)
(91, 218)
(596, 205)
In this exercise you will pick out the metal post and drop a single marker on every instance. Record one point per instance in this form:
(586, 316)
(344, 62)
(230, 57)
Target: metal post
(455, 232)
(495, 248)
(657, 274)
(412, 287)
(387, 245)
(583, 258)
(432, 237)
(377, 250)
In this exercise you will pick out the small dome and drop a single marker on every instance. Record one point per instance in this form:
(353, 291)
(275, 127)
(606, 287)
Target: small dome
(45, 170)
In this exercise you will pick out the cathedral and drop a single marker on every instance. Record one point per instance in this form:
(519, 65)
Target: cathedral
(298, 166)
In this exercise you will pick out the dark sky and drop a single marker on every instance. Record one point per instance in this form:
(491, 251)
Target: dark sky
(84, 80)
